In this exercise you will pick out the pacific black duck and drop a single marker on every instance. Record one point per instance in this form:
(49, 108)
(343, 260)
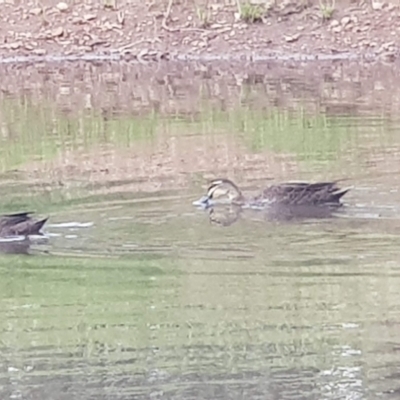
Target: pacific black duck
(21, 224)
(291, 194)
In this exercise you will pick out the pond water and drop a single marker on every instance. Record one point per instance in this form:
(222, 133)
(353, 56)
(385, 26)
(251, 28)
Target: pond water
(136, 294)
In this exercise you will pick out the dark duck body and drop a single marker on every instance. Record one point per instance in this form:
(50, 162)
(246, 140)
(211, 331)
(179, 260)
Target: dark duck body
(20, 224)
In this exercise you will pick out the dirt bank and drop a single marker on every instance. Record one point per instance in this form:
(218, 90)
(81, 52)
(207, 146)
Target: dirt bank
(204, 29)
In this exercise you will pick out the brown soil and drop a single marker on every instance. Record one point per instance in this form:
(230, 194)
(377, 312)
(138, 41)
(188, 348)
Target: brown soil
(201, 28)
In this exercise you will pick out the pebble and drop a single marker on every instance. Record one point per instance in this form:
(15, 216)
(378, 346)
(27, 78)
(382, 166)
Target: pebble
(15, 45)
(39, 52)
(62, 6)
(345, 20)
(90, 17)
(35, 11)
(291, 39)
(56, 32)
(377, 5)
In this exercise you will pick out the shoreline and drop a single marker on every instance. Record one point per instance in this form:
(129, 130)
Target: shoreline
(149, 57)
(205, 31)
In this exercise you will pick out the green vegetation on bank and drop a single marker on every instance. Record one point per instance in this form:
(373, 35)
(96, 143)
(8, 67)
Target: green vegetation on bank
(246, 10)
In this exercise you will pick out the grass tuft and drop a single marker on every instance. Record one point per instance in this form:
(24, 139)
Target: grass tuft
(250, 13)
(327, 8)
(204, 16)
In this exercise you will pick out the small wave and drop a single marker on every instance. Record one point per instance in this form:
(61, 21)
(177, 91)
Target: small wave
(8, 239)
(71, 225)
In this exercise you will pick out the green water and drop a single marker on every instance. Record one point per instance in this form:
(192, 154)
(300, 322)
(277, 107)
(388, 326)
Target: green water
(136, 294)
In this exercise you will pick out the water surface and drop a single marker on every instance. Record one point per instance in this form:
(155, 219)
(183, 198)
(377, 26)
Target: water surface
(136, 294)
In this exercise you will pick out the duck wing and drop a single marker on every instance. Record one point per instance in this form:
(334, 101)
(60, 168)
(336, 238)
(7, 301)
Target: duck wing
(13, 219)
(302, 193)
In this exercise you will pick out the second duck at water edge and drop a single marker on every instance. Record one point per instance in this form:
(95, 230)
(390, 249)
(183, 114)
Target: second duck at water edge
(21, 224)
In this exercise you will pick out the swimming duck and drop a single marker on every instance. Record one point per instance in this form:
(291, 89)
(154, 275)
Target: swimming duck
(291, 194)
(21, 224)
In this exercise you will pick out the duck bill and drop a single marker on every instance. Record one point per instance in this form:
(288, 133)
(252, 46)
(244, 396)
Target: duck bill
(203, 202)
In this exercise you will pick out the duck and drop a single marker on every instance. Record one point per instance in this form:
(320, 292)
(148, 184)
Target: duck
(20, 224)
(289, 194)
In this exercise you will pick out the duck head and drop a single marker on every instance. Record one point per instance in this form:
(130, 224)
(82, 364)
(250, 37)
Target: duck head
(221, 191)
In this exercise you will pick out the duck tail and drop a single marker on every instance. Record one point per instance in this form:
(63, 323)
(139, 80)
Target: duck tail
(337, 195)
(37, 226)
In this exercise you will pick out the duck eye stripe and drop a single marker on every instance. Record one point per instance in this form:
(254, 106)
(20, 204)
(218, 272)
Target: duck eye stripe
(211, 190)
(214, 185)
